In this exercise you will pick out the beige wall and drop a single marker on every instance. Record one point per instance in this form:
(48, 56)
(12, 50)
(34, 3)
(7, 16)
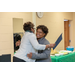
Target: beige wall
(55, 23)
(53, 20)
(73, 33)
(6, 29)
(17, 25)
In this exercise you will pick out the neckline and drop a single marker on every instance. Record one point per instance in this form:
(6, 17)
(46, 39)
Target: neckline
(29, 31)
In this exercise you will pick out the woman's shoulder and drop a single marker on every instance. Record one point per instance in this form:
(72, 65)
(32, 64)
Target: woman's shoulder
(46, 41)
(30, 35)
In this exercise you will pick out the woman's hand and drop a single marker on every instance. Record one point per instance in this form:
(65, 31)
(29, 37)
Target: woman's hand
(18, 43)
(29, 55)
(52, 45)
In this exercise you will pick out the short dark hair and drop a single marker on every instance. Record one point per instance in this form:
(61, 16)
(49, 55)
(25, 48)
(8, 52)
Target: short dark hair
(18, 37)
(43, 28)
(28, 26)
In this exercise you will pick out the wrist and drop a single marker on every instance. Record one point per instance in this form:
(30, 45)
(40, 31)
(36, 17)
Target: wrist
(49, 46)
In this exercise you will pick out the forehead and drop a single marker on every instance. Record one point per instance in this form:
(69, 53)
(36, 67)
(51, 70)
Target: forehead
(39, 29)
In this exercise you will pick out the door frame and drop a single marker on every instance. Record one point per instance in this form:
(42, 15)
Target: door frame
(70, 33)
(66, 34)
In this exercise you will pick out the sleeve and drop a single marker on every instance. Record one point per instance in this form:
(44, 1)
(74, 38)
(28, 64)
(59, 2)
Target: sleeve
(43, 55)
(35, 44)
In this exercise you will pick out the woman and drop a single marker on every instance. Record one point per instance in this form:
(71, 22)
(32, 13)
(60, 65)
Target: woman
(17, 38)
(28, 44)
(42, 56)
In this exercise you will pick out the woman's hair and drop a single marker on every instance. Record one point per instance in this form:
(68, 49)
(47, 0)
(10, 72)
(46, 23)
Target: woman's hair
(28, 26)
(43, 28)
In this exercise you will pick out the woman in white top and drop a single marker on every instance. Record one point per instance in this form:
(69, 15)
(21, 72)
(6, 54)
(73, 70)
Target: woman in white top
(29, 44)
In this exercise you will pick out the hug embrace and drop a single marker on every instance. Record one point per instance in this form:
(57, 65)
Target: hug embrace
(33, 48)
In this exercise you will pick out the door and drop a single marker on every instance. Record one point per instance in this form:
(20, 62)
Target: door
(66, 34)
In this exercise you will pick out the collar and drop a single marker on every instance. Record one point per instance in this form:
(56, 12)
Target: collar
(29, 31)
(41, 39)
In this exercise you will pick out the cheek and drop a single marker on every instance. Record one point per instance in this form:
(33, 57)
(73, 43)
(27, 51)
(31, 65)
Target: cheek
(40, 35)
(43, 35)
(33, 31)
(37, 35)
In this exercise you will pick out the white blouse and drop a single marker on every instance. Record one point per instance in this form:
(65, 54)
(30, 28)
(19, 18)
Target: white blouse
(28, 44)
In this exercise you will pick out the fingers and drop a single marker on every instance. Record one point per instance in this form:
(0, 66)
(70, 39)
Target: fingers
(29, 55)
(17, 43)
(52, 45)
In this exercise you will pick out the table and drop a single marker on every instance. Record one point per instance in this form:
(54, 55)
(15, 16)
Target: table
(64, 58)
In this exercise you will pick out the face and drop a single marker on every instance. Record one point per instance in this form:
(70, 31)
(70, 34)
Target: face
(33, 30)
(40, 34)
(18, 43)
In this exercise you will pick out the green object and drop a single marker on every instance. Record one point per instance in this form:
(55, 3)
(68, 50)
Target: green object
(14, 52)
(64, 58)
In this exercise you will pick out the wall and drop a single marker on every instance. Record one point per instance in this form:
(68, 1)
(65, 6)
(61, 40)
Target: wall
(73, 33)
(17, 25)
(53, 20)
(6, 29)
(55, 23)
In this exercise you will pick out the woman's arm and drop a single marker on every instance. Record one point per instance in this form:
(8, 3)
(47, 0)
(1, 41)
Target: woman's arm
(35, 44)
(43, 55)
